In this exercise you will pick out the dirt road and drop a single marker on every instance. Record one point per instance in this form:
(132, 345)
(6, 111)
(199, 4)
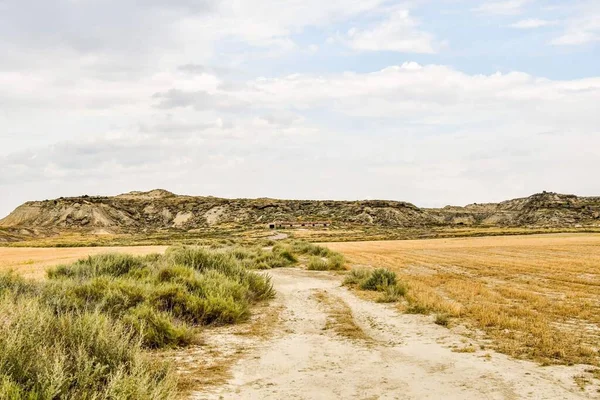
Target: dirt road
(317, 352)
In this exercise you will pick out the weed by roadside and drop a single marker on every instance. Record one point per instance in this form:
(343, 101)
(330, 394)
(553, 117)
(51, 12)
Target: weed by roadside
(334, 262)
(379, 280)
(442, 319)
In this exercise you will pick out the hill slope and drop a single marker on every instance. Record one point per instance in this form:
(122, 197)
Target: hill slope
(540, 210)
(159, 209)
(139, 212)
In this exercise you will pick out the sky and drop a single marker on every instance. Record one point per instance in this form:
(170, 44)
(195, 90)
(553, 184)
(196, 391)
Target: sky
(433, 102)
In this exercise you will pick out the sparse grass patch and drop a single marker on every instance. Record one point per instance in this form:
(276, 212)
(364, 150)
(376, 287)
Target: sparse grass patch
(417, 309)
(339, 317)
(594, 371)
(442, 319)
(465, 349)
(392, 294)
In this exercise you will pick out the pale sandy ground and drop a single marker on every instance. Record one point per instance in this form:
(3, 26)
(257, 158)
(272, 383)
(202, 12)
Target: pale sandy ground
(406, 357)
(33, 262)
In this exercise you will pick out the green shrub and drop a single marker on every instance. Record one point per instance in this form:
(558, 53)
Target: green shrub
(356, 276)
(217, 309)
(174, 273)
(205, 260)
(285, 253)
(336, 262)
(176, 300)
(12, 283)
(114, 264)
(316, 263)
(379, 279)
(157, 330)
(276, 259)
(73, 356)
(261, 287)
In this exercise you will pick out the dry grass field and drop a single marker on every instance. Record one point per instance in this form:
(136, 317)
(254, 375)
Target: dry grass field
(535, 297)
(33, 262)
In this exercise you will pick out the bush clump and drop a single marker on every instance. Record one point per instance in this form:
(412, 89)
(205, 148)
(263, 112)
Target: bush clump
(380, 280)
(335, 262)
(316, 263)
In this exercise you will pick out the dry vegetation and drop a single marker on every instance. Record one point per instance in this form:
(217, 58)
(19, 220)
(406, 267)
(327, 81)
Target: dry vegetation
(339, 317)
(536, 297)
(92, 329)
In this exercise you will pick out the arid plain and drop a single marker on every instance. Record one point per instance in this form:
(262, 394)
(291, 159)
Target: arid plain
(534, 298)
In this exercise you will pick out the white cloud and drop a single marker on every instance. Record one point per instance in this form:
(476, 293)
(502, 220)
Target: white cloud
(580, 30)
(532, 23)
(162, 93)
(399, 32)
(440, 135)
(503, 7)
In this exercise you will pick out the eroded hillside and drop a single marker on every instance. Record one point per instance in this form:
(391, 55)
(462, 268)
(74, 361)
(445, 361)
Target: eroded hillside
(540, 210)
(159, 210)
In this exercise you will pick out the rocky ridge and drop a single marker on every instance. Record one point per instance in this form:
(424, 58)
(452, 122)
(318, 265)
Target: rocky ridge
(141, 212)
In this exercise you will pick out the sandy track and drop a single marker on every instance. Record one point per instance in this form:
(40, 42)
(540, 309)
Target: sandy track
(33, 262)
(405, 356)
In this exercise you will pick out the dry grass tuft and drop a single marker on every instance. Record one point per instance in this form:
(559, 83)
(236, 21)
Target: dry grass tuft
(339, 317)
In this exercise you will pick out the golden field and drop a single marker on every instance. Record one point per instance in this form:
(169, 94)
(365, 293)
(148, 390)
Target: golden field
(534, 297)
(33, 262)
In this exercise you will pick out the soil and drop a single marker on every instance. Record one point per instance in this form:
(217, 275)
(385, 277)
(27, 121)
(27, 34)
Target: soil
(330, 344)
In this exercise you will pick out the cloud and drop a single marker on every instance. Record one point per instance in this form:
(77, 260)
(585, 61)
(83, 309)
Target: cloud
(399, 32)
(200, 100)
(504, 7)
(580, 31)
(244, 99)
(532, 23)
(439, 134)
(200, 69)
